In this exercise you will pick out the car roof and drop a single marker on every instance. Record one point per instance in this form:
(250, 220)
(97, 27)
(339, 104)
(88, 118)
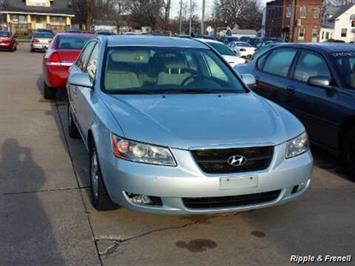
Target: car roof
(324, 47)
(78, 34)
(158, 41)
(208, 40)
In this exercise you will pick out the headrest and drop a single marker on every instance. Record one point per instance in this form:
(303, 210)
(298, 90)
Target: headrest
(178, 62)
(128, 56)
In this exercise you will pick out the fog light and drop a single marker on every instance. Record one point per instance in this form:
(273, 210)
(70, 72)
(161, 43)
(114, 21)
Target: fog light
(302, 186)
(139, 199)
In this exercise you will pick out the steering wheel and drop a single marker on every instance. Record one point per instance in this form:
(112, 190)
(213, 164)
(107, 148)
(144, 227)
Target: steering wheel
(193, 76)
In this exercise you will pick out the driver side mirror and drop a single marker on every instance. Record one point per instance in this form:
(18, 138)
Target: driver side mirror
(249, 80)
(319, 81)
(81, 80)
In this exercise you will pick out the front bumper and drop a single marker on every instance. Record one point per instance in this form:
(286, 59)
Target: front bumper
(172, 184)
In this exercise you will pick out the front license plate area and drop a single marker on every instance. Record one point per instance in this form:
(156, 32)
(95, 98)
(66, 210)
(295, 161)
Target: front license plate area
(247, 181)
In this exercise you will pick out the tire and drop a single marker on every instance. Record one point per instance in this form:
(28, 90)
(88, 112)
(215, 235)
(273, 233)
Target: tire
(349, 152)
(99, 196)
(14, 48)
(72, 128)
(48, 92)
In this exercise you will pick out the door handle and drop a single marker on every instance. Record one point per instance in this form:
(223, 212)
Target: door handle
(290, 90)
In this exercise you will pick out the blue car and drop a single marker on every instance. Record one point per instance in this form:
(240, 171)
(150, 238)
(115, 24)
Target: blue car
(172, 129)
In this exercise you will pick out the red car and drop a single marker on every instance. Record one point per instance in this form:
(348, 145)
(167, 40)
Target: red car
(7, 41)
(62, 53)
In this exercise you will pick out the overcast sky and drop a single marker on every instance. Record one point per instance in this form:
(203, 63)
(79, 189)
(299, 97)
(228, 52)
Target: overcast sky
(209, 6)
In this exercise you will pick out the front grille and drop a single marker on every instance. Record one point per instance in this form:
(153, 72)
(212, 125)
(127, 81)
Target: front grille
(216, 161)
(231, 201)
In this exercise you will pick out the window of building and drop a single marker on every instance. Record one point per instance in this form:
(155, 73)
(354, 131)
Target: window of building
(57, 19)
(303, 12)
(322, 35)
(301, 33)
(289, 12)
(343, 32)
(279, 61)
(327, 35)
(316, 13)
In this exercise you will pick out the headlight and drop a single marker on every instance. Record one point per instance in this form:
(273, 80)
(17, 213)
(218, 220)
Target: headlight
(297, 146)
(141, 152)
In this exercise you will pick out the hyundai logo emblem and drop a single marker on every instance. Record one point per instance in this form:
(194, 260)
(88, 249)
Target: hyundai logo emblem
(237, 160)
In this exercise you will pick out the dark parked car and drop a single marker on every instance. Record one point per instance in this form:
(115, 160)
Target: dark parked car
(7, 41)
(316, 82)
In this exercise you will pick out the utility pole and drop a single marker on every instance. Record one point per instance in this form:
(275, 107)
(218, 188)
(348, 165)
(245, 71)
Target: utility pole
(292, 22)
(180, 18)
(190, 18)
(203, 17)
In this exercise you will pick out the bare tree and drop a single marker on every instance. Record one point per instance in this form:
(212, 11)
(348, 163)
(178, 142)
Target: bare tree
(116, 8)
(145, 12)
(233, 11)
(167, 9)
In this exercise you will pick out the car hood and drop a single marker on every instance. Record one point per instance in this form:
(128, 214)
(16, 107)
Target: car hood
(202, 120)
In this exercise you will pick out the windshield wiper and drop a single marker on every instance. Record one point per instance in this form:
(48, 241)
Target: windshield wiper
(130, 91)
(199, 91)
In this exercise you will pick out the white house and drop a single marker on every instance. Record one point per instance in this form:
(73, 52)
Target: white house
(338, 23)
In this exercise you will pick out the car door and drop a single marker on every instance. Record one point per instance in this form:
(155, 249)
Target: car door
(317, 107)
(86, 96)
(272, 74)
(75, 91)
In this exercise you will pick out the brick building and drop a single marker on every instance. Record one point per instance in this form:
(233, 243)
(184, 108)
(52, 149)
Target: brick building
(294, 20)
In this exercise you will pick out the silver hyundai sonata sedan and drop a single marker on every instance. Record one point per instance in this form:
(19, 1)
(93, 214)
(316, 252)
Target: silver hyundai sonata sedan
(172, 129)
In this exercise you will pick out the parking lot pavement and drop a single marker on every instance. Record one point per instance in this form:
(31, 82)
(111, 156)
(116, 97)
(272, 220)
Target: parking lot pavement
(46, 216)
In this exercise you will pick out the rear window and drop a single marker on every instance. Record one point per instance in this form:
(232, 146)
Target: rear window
(4, 34)
(44, 35)
(71, 42)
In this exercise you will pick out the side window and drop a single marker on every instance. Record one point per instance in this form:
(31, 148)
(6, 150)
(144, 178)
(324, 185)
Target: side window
(261, 61)
(279, 62)
(92, 64)
(310, 64)
(84, 57)
(215, 70)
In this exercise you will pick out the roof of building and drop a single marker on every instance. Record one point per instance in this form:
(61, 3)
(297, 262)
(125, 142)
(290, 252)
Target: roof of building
(341, 11)
(57, 7)
(157, 41)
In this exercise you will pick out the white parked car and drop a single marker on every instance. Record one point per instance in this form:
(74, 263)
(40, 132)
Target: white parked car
(245, 49)
(231, 56)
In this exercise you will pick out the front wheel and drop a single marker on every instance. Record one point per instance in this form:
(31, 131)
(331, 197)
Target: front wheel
(48, 92)
(99, 196)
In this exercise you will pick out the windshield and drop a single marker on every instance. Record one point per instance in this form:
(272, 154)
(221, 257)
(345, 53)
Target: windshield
(345, 63)
(222, 48)
(167, 70)
(44, 35)
(4, 34)
(71, 42)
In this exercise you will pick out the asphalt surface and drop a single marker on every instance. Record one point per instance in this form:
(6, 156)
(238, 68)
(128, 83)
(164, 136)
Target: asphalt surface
(46, 217)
